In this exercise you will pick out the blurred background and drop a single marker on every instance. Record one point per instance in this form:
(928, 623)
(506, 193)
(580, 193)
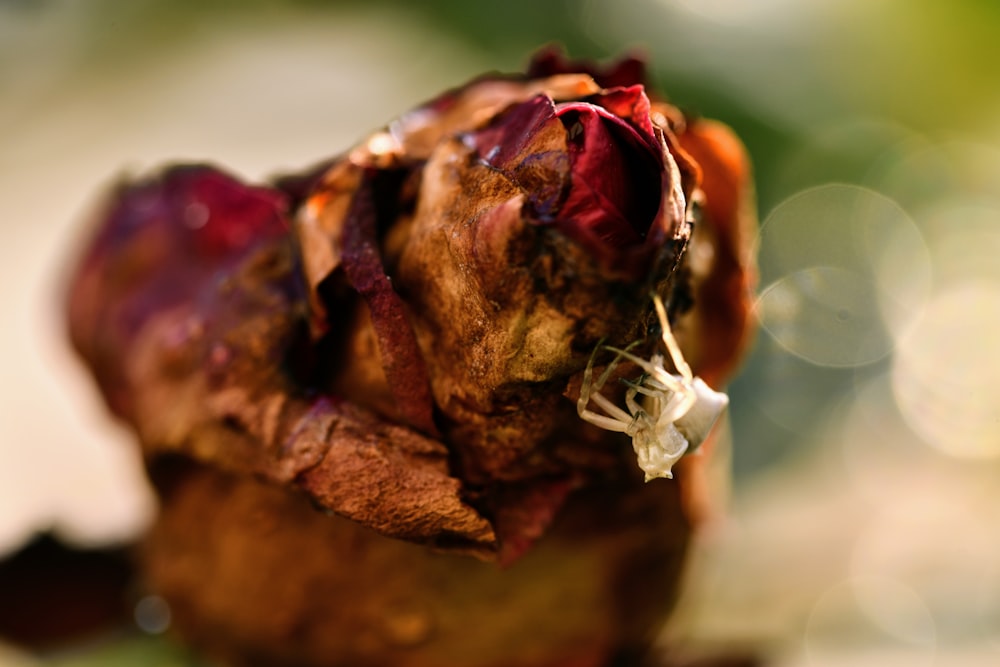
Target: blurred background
(861, 528)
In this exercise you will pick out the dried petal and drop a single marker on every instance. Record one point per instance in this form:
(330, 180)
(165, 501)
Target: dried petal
(721, 323)
(188, 328)
(404, 366)
(627, 71)
(617, 179)
(157, 241)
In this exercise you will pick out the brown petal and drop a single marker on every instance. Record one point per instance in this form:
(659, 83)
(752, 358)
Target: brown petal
(717, 330)
(191, 343)
(396, 482)
(721, 322)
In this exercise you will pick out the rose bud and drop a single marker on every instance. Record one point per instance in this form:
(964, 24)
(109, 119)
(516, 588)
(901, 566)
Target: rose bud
(390, 404)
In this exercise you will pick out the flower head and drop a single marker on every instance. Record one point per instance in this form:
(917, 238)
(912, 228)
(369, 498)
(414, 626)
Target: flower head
(404, 335)
(441, 286)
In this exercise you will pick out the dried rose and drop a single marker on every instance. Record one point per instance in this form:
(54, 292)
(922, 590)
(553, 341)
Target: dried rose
(401, 335)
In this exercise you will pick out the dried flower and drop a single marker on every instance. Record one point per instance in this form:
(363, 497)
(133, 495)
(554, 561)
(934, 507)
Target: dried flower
(402, 334)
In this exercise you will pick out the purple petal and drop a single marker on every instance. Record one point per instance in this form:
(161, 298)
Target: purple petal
(217, 215)
(159, 242)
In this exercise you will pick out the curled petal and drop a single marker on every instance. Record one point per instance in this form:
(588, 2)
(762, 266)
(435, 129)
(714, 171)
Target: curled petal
(617, 179)
(404, 366)
(627, 71)
(720, 326)
(527, 144)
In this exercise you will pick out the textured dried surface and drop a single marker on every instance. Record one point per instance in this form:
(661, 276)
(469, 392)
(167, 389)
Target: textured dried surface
(397, 338)
(195, 355)
(320, 590)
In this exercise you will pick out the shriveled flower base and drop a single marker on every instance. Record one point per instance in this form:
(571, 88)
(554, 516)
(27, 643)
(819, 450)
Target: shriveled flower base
(255, 575)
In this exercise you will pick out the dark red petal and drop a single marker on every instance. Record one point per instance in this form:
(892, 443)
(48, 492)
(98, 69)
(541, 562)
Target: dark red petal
(402, 361)
(158, 242)
(525, 511)
(616, 184)
(196, 212)
(595, 169)
(551, 60)
(630, 104)
(505, 141)
(217, 214)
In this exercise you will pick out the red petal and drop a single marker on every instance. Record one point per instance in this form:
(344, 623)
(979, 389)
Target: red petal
(402, 361)
(159, 242)
(220, 215)
(630, 104)
(616, 185)
(628, 71)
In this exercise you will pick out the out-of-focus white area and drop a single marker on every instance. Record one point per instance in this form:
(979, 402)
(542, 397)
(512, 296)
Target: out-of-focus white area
(268, 94)
(862, 528)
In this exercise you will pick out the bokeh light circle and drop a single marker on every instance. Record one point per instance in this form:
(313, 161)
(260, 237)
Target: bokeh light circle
(827, 315)
(904, 542)
(844, 270)
(964, 239)
(946, 372)
(866, 614)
